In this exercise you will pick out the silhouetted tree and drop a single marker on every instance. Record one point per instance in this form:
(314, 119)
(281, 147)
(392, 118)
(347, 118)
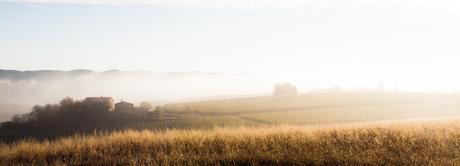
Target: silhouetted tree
(146, 104)
(68, 113)
(157, 111)
(279, 90)
(285, 89)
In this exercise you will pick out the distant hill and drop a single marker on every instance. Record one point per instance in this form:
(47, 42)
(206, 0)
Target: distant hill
(16, 75)
(23, 89)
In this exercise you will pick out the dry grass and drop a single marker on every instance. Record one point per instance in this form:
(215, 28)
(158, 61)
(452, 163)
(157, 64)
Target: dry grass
(358, 114)
(428, 142)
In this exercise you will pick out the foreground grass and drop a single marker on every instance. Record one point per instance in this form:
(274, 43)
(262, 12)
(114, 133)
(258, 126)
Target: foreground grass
(358, 114)
(428, 142)
(301, 101)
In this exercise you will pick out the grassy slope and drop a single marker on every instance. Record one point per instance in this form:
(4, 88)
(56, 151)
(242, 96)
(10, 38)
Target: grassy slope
(313, 100)
(358, 114)
(435, 142)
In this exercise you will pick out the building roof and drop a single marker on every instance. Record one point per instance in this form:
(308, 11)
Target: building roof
(123, 102)
(98, 99)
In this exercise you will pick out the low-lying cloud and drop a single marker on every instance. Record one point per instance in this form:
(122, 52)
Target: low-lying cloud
(136, 86)
(21, 90)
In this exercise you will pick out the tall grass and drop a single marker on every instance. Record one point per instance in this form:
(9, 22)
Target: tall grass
(428, 142)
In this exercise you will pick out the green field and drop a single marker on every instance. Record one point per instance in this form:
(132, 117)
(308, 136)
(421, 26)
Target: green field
(357, 114)
(301, 101)
(205, 123)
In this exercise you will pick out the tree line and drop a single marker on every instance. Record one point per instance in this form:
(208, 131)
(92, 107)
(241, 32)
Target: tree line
(284, 89)
(73, 113)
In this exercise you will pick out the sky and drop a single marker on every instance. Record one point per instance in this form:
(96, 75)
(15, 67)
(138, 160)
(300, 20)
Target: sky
(325, 42)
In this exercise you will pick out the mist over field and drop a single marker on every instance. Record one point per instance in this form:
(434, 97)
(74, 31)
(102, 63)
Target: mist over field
(229, 82)
(45, 86)
(23, 89)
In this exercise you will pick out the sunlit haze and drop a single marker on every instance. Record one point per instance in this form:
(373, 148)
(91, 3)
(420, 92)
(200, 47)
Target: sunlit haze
(311, 44)
(230, 82)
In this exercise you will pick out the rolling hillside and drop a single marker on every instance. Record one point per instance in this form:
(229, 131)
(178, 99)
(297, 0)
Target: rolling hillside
(302, 101)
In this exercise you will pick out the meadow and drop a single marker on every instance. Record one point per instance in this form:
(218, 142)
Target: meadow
(358, 114)
(353, 128)
(301, 101)
(412, 142)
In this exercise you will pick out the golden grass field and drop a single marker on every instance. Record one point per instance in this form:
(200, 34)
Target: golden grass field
(413, 142)
(308, 129)
(358, 114)
(302, 101)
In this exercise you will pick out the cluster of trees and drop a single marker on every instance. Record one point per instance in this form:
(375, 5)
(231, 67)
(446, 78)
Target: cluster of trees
(284, 89)
(67, 110)
(153, 111)
(73, 113)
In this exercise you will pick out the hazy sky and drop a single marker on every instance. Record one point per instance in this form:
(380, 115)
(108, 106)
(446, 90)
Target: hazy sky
(331, 42)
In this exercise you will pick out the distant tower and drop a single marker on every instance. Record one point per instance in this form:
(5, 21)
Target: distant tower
(396, 87)
(381, 87)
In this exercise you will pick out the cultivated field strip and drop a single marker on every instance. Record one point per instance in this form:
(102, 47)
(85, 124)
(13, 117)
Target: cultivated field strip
(357, 114)
(205, 123)
(301, 101)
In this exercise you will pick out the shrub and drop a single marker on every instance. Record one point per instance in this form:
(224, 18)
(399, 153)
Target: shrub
(157, 111)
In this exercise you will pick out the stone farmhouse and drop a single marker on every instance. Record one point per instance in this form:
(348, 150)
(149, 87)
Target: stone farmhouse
(126, 106)
(123, 105)
(99, 102)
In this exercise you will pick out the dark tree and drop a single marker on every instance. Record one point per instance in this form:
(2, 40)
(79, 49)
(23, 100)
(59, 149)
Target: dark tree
(146, 104)
(68, 113)
(157, 111)
(284, 89)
